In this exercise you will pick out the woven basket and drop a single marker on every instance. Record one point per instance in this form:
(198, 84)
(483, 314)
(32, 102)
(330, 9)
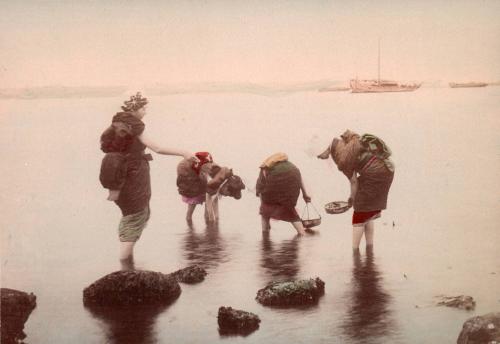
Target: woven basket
(337, 207)
(308, 222)
(311, 222)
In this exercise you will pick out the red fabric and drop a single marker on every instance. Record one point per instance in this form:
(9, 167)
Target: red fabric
(360, 217)
(204, 157)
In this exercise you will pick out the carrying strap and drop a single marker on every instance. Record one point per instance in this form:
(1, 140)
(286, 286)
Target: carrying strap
(306, 210)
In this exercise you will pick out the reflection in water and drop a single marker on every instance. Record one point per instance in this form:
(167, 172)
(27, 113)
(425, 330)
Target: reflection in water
(204, 249)
(280, 262)
(368, 316)
(131, 325)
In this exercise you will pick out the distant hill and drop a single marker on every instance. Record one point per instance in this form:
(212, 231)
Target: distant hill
(269, 89)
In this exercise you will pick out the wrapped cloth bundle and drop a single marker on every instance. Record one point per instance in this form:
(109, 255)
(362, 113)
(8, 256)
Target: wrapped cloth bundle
(279, 181)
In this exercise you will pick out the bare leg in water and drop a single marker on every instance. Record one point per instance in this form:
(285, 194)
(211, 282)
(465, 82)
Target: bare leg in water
(127, 255)
(357, 234)
(266, 225)
(369, 233)
(299, 227)
(368, 229)
(189, 213)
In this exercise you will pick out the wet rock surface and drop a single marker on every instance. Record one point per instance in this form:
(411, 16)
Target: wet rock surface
(291, 293)
(16, 307)
(461, 302)
(133, 287)
(234, 321)
(190, 275)
(481, 329)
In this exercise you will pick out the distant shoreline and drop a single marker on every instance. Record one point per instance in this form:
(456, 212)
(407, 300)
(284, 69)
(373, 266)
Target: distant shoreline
(47, 92)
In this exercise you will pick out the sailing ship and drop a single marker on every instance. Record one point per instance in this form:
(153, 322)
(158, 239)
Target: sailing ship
(377, 86)
(467, 84)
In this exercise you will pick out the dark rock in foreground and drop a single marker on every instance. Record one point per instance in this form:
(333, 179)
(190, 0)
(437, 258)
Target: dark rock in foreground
(16, 307)
(190, 275)
(461, 302)
(293, 293)
(133, 287)
(233, 321)
(481, 329)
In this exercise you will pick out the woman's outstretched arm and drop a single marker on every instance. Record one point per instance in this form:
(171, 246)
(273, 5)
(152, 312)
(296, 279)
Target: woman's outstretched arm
(148, 142)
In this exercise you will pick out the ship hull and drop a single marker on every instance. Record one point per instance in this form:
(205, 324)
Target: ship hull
(373, 86)
(467, 84)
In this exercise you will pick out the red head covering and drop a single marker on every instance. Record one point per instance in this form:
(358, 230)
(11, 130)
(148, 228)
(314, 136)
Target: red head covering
(203, 157)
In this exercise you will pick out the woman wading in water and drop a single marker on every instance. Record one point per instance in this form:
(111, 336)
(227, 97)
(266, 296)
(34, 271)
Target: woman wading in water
(365, 162)
(125, 171)
(278, 186)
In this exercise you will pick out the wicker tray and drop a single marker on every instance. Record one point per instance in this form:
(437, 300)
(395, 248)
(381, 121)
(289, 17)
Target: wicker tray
(337, 207)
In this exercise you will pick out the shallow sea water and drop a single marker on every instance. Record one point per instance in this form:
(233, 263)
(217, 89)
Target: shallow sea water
(59, 232)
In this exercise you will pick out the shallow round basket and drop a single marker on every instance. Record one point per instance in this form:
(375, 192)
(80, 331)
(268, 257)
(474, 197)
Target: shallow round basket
(336, 207)
(311, 222)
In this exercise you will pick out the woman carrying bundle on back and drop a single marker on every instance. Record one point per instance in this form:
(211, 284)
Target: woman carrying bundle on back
(278, 186)
(125, 171)
(203, 181)
(365, 162)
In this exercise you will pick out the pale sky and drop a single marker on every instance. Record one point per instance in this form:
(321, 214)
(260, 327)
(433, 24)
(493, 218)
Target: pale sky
(97, 43)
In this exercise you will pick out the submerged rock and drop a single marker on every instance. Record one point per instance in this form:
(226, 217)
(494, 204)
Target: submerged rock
(236, 321)
(292, 293)
(481, 329)
(16, 307)
(133, 287)
(461, 302)
(190, 275)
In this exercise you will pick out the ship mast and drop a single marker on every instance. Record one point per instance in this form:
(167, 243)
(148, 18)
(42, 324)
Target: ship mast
(378, 77)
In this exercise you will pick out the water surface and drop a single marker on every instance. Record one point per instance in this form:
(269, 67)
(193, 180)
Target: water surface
(59, 232)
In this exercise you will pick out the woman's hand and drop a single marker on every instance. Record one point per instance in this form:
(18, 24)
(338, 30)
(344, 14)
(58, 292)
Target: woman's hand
(350, 201)
(190, 156)
(307, 198)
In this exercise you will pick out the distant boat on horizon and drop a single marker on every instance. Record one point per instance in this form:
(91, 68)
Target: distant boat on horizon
(467, 84)
(378, 86)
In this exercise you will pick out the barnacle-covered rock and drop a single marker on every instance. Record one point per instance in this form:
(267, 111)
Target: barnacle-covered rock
(481, 329)
(190, 275)
(292, 293)
(461, 302)
(133, 287)
(16, 307)
(234, 321)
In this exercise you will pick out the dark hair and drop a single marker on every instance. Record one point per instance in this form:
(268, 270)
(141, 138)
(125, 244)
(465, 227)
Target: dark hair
(115, 139)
